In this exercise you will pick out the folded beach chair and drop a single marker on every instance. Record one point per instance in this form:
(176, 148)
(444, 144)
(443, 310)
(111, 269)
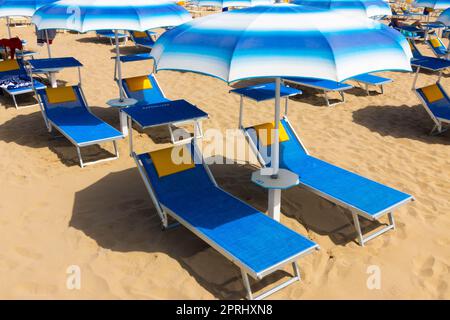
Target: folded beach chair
(437, 46)
(111, 36)
(66, 110)
(368, 79)
(365, 198)
(15, 81)
(437, 103)
(323, 85)
(143, 39)
(187, 193)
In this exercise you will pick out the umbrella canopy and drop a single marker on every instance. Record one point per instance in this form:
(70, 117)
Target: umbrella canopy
(288, 40)
(231, 3)
(444, 18)
(368, 8)
(433, 4)
(91, 15)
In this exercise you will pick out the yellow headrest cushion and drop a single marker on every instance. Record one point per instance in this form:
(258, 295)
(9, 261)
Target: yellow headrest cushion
(435, 43)
(432, 93)
(181, 3)
(139, 83)
(9, 65)
(172, 160)
(61, 94)
(140, 34)
(264, 132)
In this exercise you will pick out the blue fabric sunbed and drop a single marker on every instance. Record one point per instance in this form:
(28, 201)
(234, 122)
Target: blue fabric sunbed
(254, 242)
(362, 196)
(111, 36)
(368, 79)
(15, 81)
(437, 104)
(65, 109)
(323, 85)
(143, 39)
(145, 94)
(425, 62)
(437, 46)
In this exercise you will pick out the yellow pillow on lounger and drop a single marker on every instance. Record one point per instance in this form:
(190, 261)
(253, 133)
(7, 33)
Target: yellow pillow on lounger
(61, 95)
(172, 160)
(9, 65)
(433, 93)
(139, 83)
(435, 43)
(264, 132)
(139, 34)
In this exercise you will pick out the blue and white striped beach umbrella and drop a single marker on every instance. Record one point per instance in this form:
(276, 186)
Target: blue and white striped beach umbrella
(367, 8)
(283, 40)
(231, 3)
(444, 17)
(92, 15)
(20, 8)
(433, 4)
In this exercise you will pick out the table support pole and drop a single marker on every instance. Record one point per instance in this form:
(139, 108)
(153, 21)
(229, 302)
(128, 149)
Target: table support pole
(275, 204)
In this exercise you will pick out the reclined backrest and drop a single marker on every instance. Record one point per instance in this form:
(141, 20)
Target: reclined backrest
(290, 147)
(61, 97)
(10, 68)
(176, 172)
(437, 45)
(415, 51)
(144, 89)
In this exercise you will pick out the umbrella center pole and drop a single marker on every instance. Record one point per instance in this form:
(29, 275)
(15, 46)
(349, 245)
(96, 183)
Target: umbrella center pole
(275, 154)
(119, 67)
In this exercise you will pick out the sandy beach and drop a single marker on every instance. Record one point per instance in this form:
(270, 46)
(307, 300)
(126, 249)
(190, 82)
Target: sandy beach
(53, 214)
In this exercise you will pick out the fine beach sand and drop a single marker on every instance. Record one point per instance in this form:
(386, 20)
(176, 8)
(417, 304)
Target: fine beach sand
(53, 214)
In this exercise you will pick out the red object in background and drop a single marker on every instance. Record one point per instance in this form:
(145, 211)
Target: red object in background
(11, 44)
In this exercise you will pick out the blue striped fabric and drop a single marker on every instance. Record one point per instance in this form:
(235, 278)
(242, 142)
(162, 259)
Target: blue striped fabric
(434, 4)
(367, 8)
(288, 40)
(444, 17)
(91, 15)
(345, 186)
(24, 8)
(231, 3)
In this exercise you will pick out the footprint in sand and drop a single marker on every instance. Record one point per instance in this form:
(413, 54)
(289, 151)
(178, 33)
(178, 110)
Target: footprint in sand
(27, 253)
(433, 275)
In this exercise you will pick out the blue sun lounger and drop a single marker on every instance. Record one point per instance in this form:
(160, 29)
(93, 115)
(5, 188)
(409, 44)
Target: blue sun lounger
(323, 85)
(188, 193)
(437, 104)
(15, 81)
(111, 36)
(66, 110)
(368, 79)
(363, 197)
(426, 62)
(143, 39)
(145, 89)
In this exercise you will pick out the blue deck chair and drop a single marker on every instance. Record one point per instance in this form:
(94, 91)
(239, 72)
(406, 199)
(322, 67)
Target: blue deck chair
(437, 46)
(143, 39)
(147, 92)
(426, 62)
(188, 193)
(437, 104)
(111, 36)
(368, 79)
(15, 81)
(363, 197)
(323, 85)
(66, 110)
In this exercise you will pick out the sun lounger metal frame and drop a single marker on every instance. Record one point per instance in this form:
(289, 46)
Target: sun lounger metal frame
(325, 91)
(354, 211)
(111, 37)
(365, 84)
(164, 213)
(149, 33)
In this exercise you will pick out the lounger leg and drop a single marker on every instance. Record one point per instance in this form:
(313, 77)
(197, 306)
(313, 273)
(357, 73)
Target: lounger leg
(116, 149)
(15, 101)
(247, 285)
(130, 136)
(326, 98)
(296, 270)
(358, 229)
(391, 219)
(79, 156)
(367, 89)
